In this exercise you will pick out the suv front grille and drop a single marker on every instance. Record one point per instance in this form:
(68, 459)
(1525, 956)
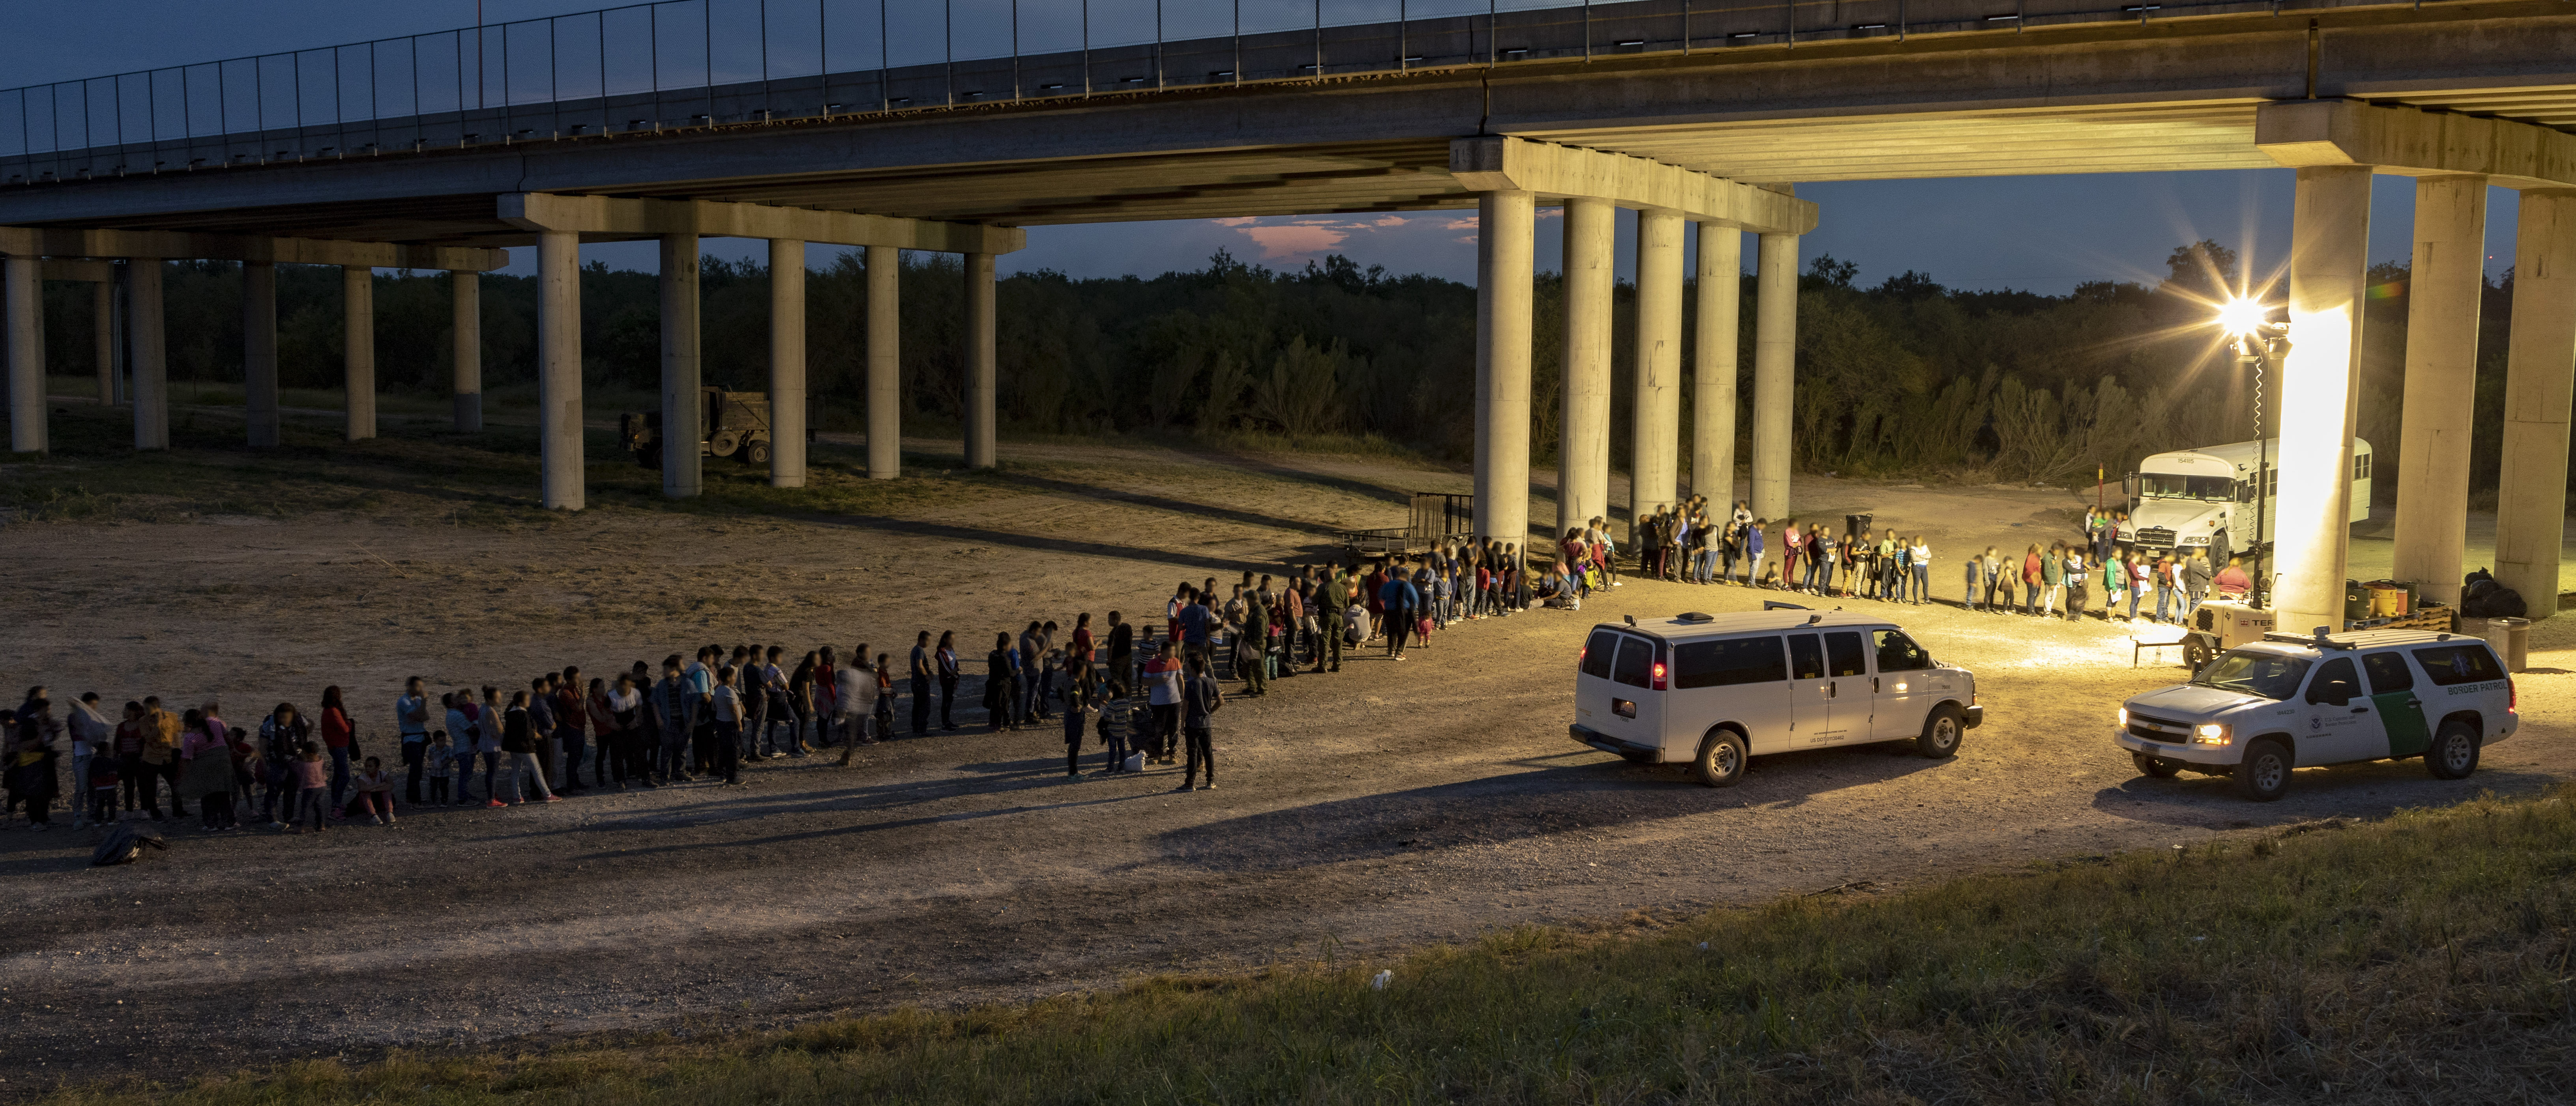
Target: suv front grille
(2158, 729)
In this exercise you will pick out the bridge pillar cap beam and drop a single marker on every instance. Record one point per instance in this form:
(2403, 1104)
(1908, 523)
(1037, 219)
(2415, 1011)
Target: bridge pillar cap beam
(2309, 134)
(1504, 164)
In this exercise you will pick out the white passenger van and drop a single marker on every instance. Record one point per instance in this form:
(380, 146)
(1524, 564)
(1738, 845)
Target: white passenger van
(1713, 690)
(2285, 702)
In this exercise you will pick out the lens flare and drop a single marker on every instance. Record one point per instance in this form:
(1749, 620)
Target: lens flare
(2240, 316)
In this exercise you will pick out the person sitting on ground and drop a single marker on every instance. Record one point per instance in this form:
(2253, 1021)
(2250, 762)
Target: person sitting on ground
(375, 798)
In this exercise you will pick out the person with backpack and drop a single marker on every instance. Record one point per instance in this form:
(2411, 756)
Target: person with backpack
(1000, 690)
(1253, 654)
(1398, 600)
(282, 737)
(1200, 699)
(1332, 607)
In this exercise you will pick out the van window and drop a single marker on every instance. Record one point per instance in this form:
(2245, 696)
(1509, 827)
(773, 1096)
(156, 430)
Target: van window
(1598, 651)
(1636, 657)
(2451, 665)
(2387, 673)
(1752, 660)
(1806, 657)
(1842, 648)
(2335, 683)
(1898, 653)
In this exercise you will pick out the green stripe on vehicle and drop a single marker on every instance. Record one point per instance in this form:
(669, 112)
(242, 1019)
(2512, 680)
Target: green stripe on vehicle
(2403, 714)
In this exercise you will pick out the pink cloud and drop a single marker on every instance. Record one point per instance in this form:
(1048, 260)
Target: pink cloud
(1467, 238)
(1237, 221)
(1389, 221)
(1468, 223)
(1294, 241)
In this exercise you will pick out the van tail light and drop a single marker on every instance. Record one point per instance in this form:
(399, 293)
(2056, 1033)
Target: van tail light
(2512, 697)
(1579, 654)
(1659, 676)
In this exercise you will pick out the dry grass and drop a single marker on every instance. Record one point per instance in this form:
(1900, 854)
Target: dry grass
(2425, 958)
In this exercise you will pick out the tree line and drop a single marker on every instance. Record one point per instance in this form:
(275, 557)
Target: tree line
(1905, 377)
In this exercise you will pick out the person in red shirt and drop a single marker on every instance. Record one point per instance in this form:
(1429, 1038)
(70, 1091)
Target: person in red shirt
(337, 736)
(2030, 580)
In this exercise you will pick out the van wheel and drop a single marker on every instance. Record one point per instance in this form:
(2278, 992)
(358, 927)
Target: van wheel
(2454, 753)
(1721, 760)
(2265, 775)
(1941, 731)
(2156, 766)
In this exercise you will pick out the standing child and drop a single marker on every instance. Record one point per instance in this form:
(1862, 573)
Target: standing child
(102, 789)
(1117, 731)
(312, 791)
(1076, 714)
(884, 712)
(442, 765)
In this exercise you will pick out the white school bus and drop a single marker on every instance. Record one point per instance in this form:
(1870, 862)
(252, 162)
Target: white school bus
(2192, 498)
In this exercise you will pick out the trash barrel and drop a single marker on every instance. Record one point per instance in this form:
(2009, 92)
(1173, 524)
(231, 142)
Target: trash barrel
(2356, 602)
(2511, 639)
(2388, 600)
(1853, 525)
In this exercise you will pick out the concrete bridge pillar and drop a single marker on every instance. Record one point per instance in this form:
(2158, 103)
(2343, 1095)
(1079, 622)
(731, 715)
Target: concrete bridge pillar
(259, 353)
(1655, 442)
(102, 329)
(1583, 446)
(358, 348)
(2441, 381)
(2540, 377)
(22, 284)
(885, 363)
(786, 363)
(2311, 519)
(682, 403)
(1775, 352)
(1505, 271)
(559, 430)
(1721, 278)
(983, 420)
(144, 338)
(466, 352)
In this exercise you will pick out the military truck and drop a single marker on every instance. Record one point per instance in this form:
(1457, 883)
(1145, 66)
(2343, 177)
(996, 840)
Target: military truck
(734, 424)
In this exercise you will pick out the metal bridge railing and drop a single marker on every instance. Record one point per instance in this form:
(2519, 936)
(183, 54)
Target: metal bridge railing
(689, 63)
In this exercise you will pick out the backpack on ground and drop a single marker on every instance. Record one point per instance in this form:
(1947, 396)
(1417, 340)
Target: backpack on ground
(124, 845)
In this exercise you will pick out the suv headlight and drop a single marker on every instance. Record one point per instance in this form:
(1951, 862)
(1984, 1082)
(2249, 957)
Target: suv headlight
(2209, 733)
(2124, 718)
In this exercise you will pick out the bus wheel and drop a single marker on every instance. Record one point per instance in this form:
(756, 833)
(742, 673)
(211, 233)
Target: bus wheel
(1721, 759)
(2454, 753)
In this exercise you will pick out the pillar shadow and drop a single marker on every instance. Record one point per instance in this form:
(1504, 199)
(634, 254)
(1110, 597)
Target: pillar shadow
(1203, 561)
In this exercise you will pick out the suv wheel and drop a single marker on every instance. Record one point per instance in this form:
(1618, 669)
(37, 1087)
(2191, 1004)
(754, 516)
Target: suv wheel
(1941, 731)
(2265, 775)
(2156, 766)
(2454, 753)
(1721, 759)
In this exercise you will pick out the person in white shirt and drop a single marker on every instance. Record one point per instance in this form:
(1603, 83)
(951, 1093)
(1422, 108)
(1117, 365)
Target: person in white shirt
(856, 701)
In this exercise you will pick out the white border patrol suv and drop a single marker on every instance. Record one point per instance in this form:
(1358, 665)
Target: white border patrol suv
(1713, 690)
(2267, 707)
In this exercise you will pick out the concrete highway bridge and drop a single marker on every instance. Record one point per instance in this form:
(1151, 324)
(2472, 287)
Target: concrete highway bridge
(443, 151)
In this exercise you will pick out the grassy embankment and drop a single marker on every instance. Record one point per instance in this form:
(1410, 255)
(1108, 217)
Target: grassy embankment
(2424, 958)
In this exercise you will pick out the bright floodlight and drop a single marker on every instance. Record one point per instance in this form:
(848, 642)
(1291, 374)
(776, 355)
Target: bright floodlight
(2241, 316)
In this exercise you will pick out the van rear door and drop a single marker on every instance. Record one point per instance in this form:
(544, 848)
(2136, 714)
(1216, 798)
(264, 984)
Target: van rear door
(1636, 712)
(1592, 678)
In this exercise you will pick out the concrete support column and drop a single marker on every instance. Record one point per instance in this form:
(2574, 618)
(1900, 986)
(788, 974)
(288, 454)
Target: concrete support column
(983, 422)
(885, 363)
(2311, 520)
(2540, 377)
(102, 330)
(786, 363)
(1775, 352)
(358, 348)
(2441, 382)
(683, 406)
(1654, 473)
(559, 368)
(1505, 272)
(466, 349)
(22, 285)
(1721, 279)
(259, 352)
(150, 351)
(1583, 447)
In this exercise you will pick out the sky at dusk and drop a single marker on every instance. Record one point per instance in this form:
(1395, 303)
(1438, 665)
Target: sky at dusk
(2044, 234)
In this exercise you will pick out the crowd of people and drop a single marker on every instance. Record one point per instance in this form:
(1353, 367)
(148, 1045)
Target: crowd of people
(1135, 698)
(1138, 700)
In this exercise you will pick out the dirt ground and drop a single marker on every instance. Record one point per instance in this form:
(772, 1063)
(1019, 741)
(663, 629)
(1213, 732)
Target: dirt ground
(1359, 814)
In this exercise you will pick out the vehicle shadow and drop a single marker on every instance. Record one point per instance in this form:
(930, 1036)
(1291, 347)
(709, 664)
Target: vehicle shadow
(1562, 794)
(2372, 790)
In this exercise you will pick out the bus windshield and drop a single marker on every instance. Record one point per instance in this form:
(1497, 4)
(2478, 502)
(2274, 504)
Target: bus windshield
(2269, 675)
(2159, 485)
